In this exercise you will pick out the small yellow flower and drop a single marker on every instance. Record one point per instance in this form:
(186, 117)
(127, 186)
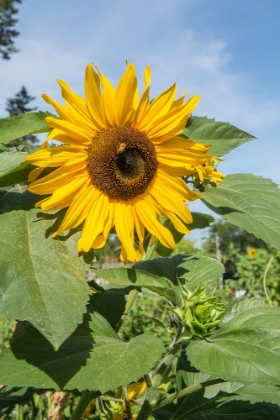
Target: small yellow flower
(116, 410)
(121, 162)
(208, 172)
(252, 253)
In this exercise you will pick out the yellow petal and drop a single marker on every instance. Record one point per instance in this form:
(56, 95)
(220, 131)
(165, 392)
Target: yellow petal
(171, 200)
(170, 124)
(59, 177)
(78, 209)
(71, 129)
(93, 97)
(179, 226)
(144, 102)
(125, 96)
(124, 226)
(140, 231)
(34, 174)
(108, 100)
(148, 218)
(62, 194)
(158, 108)
(56, 156)
(65, 113)
(70, 138)
(95, 220)
(176, 184)
(76, 103)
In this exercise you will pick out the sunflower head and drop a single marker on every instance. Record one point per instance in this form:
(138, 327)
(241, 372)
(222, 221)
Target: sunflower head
(121, 162)
(252, 254)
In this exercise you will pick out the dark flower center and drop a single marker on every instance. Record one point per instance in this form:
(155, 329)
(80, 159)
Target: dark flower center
(121, 162)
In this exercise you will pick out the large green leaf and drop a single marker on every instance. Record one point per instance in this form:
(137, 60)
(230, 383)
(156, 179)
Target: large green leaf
(110, 304)
(17, 175)
(224, 137)
(233, 410)
(245, 349)
(137, 278)
(196, 269)
(197, 407)
(10, 396)
(93, 357)
(10, 160)
(13, 168)
(30, 122)
(200, 221)
(187, 376)
(255, 393)
(250, 202)
(42, 280)
(241, 305)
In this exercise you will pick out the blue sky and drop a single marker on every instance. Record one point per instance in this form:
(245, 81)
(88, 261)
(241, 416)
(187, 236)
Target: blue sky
(227, 51)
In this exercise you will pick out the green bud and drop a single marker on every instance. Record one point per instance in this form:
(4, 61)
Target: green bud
(199, 313)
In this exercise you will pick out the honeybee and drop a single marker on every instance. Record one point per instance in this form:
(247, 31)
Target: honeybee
(121, 148)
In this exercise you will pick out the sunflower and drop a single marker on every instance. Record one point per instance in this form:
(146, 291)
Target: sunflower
(252, 253)
(121, 162)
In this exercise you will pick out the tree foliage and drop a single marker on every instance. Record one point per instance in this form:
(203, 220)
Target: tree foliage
(7, 31)
(17, 105)
(229, 234)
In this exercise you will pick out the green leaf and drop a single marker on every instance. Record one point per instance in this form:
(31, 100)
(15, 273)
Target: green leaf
(241, 305)
(28, 123)
(93, 358)
(199, 269)
(245, 349)
(200, 221)
(16, 176)
(14, 170)
(187, 375)
(110, 304)
(137, 278)
(224, 137)
(250, 202)
(10, 396)
(41, 280)
(197, 407)
(196, 269)
(255, 393)
(234, 410)
(10, 160)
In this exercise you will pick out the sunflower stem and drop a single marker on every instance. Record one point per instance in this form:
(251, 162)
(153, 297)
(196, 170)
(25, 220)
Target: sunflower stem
(127, 403)
(149, 252)
(189, 390)
(264, 278)
(151, 398)
(85, 399)
(164, 365)
(130, 302)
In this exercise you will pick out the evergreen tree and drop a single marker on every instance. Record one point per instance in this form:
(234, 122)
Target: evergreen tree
(16, 106)
(7, 31)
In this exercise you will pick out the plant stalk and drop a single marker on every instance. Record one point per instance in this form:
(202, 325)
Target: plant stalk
(127, 403)
(164, 365)
(264, 279)
(150, 401)
(130, 302)
(188, 390)
(85, 399)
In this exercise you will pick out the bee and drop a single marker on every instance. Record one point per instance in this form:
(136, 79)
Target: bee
(121, 148)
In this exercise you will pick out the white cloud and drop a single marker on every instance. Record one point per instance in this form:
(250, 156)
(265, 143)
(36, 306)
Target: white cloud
(58, 41)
